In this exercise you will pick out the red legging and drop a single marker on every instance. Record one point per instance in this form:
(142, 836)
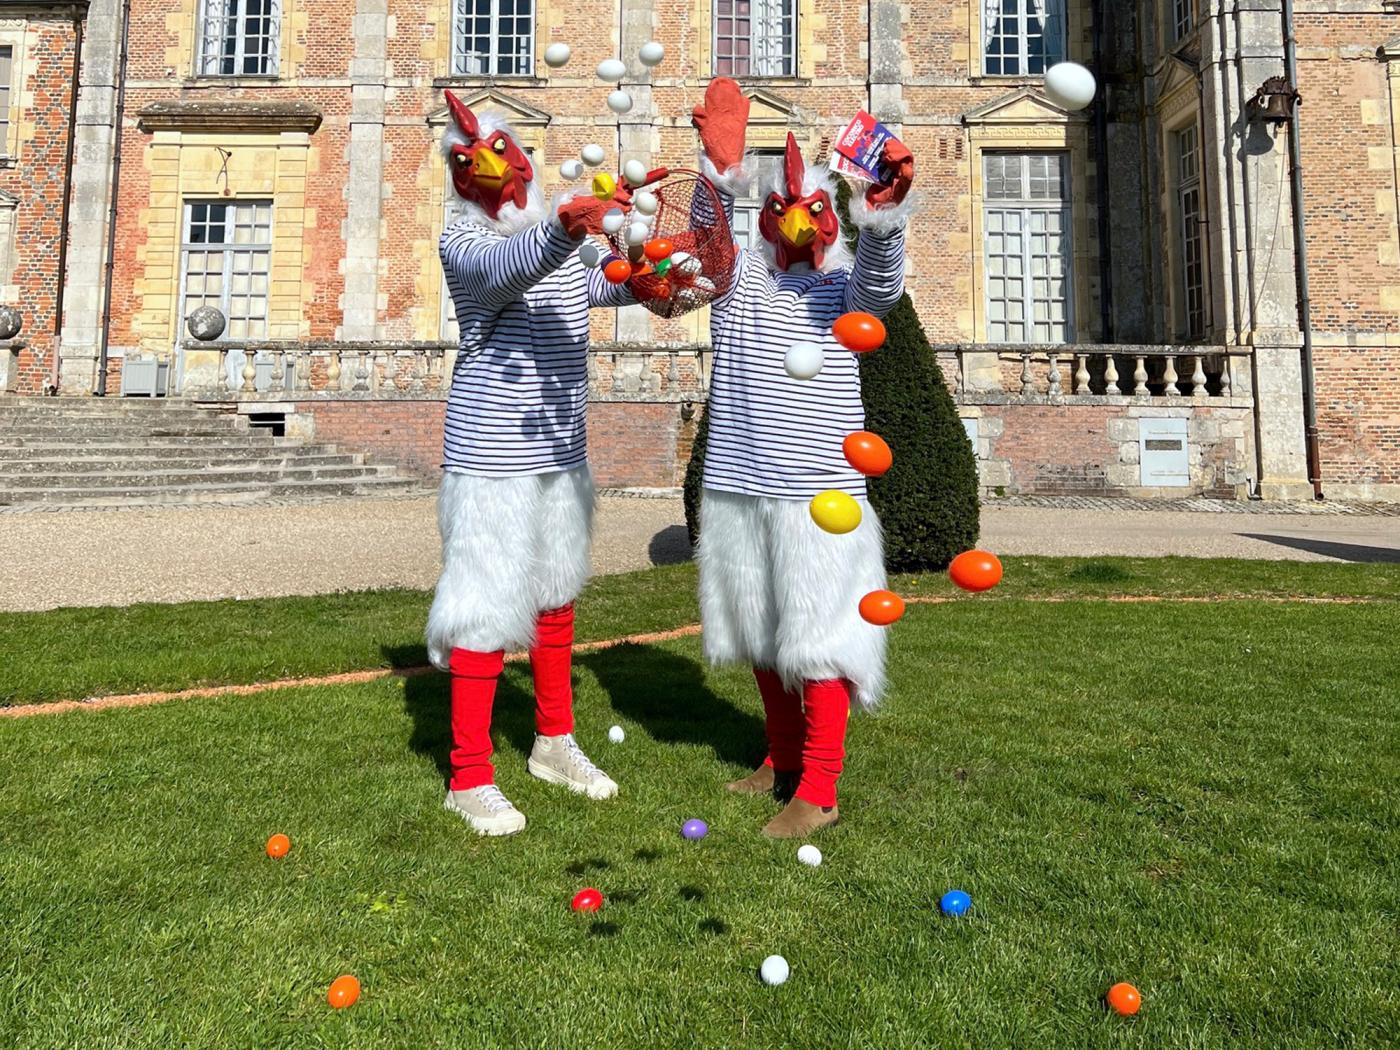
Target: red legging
(474, 677)
(807, 733)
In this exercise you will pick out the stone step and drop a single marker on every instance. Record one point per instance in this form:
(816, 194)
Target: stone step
(62, 410)
(190, 461)
(101, 444)
(154, 479)
(213, 493)
(58, 432)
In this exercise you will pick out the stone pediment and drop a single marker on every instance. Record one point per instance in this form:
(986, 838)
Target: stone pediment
(766, 107)
(517, 112)
(1025, 106)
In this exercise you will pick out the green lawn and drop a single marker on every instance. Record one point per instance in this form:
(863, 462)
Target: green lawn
(1197, 798)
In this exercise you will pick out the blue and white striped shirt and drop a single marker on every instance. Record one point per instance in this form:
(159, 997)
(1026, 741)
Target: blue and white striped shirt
(772, 435)
(519, 398)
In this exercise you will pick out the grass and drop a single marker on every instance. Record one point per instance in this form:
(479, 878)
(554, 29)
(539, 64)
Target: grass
(75, 653)
(1197, 798)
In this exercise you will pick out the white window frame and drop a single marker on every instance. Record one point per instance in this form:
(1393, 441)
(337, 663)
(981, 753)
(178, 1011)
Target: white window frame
(1188, 203)
(1183, 19)
(772, 38)
(465, 59)
(1051, 16)
(749, 208)
(230, 248)
(217, 45)
(7, 72)
(1028, 206)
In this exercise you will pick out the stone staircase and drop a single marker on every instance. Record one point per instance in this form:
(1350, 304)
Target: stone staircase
(92, 452)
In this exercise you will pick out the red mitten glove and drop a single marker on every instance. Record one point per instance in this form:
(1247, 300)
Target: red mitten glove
(899, 163)
(583, 214)
(723, 122)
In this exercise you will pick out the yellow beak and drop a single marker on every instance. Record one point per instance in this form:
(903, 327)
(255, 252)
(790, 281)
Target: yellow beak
(797, 227)
(488, 167)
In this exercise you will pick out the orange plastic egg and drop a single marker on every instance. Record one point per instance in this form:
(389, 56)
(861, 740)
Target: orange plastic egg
(1124, 999)
(881, 608)
(859, 332)
(868, 453)
(618, 271)
(659, 249)
(975, 571)
(343, 992)
(278, 845)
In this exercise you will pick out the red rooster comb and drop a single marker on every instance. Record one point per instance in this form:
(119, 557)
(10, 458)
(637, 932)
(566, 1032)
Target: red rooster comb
(794, 170)
(463, 117)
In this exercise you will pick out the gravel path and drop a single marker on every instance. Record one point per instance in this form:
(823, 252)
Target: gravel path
(184, 554)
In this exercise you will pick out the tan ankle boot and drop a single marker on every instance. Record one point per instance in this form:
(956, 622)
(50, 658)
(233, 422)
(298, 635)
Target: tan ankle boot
(765, 780)
(800, 819)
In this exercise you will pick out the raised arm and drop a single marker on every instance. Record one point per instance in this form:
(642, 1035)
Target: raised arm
(497, 270)
(722, 121)
(877, 276)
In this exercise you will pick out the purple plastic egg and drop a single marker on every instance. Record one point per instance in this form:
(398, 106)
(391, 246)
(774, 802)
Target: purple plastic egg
(695, 829)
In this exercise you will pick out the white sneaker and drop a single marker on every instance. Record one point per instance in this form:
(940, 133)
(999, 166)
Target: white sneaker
(559, 760)
(486, 810)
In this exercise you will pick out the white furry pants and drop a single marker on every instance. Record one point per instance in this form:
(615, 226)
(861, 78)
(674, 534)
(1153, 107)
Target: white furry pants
(779, 593)
(511, 549)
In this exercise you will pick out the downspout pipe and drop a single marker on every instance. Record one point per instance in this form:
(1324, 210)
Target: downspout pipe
(79, 19)
(100, 389)
(1300, 260)
(1106, 334)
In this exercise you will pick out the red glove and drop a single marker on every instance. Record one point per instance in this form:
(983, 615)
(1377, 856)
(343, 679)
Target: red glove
(899, 163)
(583, 214)
(723, 122)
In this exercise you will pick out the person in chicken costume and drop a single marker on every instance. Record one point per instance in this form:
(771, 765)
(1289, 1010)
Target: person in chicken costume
(777, 592)
(516, 504)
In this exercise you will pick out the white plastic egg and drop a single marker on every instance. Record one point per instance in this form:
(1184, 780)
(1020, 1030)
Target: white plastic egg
(651, 53)
(1070, 86)
(619, 102)
(613, 220)
(803, 360)
(571, 169)
(616, 735)
(592, 154)
(589, 255)
(611, 70)
(635, 172)
(637, 234)
(646, 203)
(810, 856)
(556, 55)
(774, 970)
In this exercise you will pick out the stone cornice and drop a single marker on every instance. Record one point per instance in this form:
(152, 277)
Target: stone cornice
(229, 115)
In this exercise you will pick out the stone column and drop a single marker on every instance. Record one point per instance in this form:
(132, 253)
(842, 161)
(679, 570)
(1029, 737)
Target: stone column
(637, 138)
(886, 45)
(365, 188)
(94, 145)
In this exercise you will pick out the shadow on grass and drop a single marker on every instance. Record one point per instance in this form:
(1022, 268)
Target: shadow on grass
(668, 695)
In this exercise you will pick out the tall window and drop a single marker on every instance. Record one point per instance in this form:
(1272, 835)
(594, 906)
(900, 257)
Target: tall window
(1192, 268)
(1183, 18)
(748, 208)
(1022, 37)
(239, 38)
(7, 55)
(755, 38)
(226, 260)
(493, 38)
(1027, 248)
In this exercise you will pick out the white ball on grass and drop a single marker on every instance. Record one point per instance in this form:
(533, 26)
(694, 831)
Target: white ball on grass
(571, 169)
(611, 70)
(613, 219)
(592, 154)
(810, 856)
(637, 234)
(616, 735)
(774, 970)
(556, 55)
(589, 255)
(803, 360)
(635, 172)
(645, 202)
(1070, 86)
(651, 53)
(619, 102)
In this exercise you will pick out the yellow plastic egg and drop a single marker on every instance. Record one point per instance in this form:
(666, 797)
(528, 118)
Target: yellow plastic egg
(604, 186)
(836, 512)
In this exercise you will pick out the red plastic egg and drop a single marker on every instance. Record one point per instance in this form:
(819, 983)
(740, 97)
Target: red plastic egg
(343, 992)
(859, 332)
(587, 900)
(659, 249)
(868, 453)
(618, 271)
(278, 845)
(975, 571)
(881, 608)
(1124, 999)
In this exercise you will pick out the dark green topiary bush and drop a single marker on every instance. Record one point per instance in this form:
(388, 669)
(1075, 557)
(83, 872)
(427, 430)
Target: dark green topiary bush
(928, 501)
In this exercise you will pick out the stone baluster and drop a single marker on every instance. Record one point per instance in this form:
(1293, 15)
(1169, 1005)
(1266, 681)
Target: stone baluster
(1169, 377)
(1027, 378)
(617, 374)
(1110, 377)
(1198, 377)
(1081, 376)
(1055, 390)
(302, 376)
(959, 379)
(592, 369)
(420, 372)
(673, 371)
(704, 363)
(651, 378)
(1140, 378)
(250, 372)
(277, 382)
(390, 381)
(225, 383)
(362, 369)
(1226, 383)
(333, 369)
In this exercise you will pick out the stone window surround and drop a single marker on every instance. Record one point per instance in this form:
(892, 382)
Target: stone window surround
(14, 34)
(1078, 23)
(1176, 111)
(183, 57)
